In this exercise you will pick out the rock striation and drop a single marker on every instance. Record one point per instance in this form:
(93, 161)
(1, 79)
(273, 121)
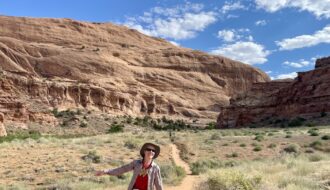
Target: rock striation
(308, 94)
(63, 63)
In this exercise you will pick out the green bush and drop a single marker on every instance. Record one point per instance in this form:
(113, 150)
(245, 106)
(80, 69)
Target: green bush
(232, 180)
(83, 124)
(316, 145)
(326, 137)
(215, 136)
(292, 148)
(172, 174)
(259, 138)
(92, 156)
(232, 155)
(272, 145)
(242, 145)
(257, 148)
(288, 136)
(131, 144)
(211, 125)
(21, 136)
(296, 122)
(116, 128)
(203, 166)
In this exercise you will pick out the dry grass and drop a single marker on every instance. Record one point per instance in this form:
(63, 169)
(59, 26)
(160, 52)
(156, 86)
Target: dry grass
(58, 163)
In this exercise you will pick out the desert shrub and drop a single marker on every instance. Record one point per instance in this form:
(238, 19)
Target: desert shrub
(288, 136)
(231, 180)
(116, 128)
(129, 119)
(316, 145)
(270, 134)
(65, 114)
(313, 132)
(325, 137)
(203, 166)
(211, 125)
(310, 125)
(257, 148)
(21, 136)
(92, 156)
(83, 124)
(292, 148)
(315, 158)
(259, 138)
(232, 155)
(131, 144)
(296, 122)
(272, 145)
(215, 136)
(242, 145)
(172, 174)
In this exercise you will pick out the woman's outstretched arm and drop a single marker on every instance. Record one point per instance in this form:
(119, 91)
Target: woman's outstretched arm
(117, 171)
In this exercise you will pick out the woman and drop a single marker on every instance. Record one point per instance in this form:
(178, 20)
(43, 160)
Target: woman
(146, 173)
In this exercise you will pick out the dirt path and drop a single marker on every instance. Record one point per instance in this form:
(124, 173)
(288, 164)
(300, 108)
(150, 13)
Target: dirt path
(190, 181)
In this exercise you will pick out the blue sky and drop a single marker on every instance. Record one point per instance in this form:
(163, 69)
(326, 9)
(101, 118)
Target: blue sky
(281, 37)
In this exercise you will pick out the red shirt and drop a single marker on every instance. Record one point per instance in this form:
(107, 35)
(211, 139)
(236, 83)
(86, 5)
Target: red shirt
(141, 182)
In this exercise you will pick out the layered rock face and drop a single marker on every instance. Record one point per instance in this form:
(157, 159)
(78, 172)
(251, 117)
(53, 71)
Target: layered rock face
(62, 63)
(308, 94)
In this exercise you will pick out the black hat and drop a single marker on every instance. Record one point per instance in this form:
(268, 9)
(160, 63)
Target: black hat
(157, 149)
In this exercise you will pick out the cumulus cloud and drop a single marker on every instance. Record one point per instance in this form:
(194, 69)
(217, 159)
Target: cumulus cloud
(180, 22)
(260, 22)
(286, 76)
(226, 35)
(320, 8)
(228, 6)
(246, 52)
(234, 35)
(301, 63)
(321, 36)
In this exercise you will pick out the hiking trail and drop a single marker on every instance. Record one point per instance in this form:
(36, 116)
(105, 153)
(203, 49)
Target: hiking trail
(190, 181)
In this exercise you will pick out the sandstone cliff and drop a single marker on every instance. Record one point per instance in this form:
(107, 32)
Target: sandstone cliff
(306, 96)
(62, 63)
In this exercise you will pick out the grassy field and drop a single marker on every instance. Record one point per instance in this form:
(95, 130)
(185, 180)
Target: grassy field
(265, 158)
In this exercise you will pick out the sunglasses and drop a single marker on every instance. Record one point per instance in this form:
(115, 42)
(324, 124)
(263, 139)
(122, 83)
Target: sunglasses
(149, 149)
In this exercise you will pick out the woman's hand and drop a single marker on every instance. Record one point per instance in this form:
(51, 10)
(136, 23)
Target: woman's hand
(99, 173)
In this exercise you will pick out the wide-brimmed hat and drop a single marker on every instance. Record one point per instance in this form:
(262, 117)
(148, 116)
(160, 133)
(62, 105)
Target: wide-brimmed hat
(143, 148)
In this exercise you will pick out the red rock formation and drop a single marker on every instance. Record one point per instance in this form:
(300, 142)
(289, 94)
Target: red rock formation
(308, 94)
(64, 63)
(2, 127)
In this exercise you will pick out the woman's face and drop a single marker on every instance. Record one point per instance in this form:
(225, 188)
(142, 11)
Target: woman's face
(149, 152)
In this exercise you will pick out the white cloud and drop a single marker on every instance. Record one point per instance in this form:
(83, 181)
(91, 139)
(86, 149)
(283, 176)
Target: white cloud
(226, 35)
(260, 22)
(234, 35)
(320, 8)
(246, 52)
(286, 76)
(321, 36)
(228, 6)
(268, 72)
(180, 22)
(301, 63)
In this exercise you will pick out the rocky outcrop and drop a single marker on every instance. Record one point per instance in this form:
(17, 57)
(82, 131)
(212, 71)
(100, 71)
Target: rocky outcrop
(306, 95)
(63, 63)
(2, 127)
